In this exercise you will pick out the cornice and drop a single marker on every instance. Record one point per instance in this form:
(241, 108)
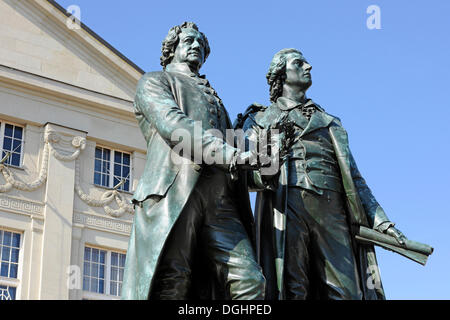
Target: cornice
(55, 90)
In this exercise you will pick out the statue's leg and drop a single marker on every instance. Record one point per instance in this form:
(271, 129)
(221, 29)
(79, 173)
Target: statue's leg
(334, 261)
(227, 245)
(173, 276)
(297, 256)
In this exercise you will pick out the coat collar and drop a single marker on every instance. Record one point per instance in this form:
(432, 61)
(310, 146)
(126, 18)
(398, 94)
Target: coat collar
(182, 68)
(319, 119)
(287, 104)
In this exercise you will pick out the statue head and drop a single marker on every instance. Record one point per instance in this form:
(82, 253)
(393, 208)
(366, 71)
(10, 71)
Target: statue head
(288, 67)
(185, 43)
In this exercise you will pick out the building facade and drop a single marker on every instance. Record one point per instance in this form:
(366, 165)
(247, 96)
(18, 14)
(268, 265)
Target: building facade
(71, 156)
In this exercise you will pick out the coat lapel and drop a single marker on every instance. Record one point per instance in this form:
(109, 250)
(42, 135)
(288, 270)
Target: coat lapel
(298, 119)
(318, 120)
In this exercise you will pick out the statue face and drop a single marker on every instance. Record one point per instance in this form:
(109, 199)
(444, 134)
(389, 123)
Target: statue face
(190, 49)
(298, 71)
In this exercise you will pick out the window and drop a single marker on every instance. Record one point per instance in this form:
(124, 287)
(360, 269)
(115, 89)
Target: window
(7, 293)
(10, 247)
(120, 162)
(9, 259)
(103, 271)
(11, 142)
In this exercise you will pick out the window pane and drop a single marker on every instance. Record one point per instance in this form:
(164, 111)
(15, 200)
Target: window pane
(95, 255)
(12, 293)
(94, 270)
(117, 171)
(94, 285)
(114, 259)
(18, 133)
(105, 181)
(7, 238)
(15, 159)
(116, 182)
(16, 240)
(16, 145)
(6, 251)
(114, 275)
(7, 143)
(102, 256)
(106, 154)
(101, 287)
(122, 260)
(126, 172)
(98, 165)
(87, 269)
(106, 168)
(86, 283)
(101, 270)
(113, 290)
(4, 270)
(97, 178)
(98, 153)
(121, 275)
(1, 237)
(8, 130)
(15, 255)
(87, 253)
(13, 271)
(126, 186)
(126, 159)
(118, 157)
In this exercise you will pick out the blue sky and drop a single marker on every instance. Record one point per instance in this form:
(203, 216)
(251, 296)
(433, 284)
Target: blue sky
(388, 86)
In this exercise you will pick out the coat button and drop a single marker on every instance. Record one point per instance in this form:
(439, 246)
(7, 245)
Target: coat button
(212, 110)
(211, 99)
(212, 122)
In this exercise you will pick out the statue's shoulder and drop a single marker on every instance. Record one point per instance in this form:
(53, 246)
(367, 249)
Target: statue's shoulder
(158, 79)
(248, 118)
(154, 76)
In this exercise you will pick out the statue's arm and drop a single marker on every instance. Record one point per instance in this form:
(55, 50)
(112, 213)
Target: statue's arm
(375, 213)
(155, 102)
(255, 180)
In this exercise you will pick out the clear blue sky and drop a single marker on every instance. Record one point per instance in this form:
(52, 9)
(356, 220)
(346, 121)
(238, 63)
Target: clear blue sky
(388, 86)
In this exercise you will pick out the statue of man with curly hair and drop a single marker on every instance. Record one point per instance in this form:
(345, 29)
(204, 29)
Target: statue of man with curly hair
(305, 238)
(192, 231)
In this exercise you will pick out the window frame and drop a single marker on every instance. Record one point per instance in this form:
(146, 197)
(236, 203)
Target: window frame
(3, 124)
(111, 168)
(90, 295)
(14, 282)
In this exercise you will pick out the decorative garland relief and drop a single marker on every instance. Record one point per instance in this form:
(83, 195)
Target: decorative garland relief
(79, 143)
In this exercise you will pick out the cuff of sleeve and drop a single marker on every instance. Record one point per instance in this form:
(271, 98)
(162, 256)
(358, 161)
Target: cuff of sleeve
(384, 226)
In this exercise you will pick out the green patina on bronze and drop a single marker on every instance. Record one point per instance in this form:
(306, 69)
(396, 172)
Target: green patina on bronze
(166, 101)
(319, 170)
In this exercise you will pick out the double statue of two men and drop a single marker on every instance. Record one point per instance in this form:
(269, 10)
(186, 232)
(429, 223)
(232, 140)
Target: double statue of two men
(194, 235)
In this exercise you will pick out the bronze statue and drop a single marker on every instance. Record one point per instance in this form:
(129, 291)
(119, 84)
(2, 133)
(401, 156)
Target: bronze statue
(193, 223)
(317, 220)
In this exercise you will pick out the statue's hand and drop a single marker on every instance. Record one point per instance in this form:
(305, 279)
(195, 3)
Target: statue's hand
(397, 234)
